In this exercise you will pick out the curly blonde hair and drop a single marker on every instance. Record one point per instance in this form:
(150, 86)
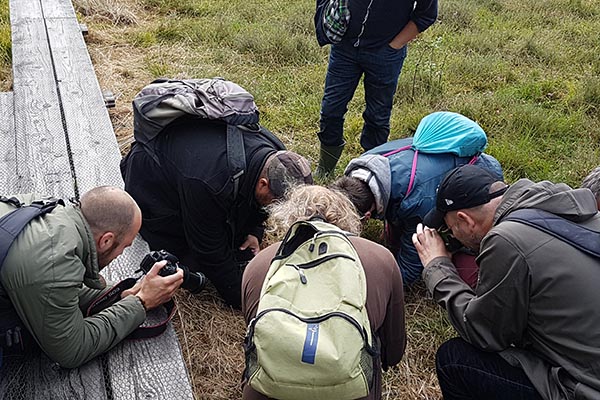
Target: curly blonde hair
(307, 201)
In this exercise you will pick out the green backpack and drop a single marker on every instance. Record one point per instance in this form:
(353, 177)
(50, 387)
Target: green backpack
(311, 337)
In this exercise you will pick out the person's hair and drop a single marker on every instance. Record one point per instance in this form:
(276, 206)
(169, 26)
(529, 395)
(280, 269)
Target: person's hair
(592, 182)
(356, 190)
(108, 209)
(308, 201)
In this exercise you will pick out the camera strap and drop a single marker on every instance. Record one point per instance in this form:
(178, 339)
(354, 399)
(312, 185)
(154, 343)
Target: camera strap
(113, 295)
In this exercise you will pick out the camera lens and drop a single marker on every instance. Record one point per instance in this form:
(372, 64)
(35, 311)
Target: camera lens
(194, 282)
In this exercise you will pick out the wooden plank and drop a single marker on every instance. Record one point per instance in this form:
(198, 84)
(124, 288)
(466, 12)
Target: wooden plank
(42, 159)
(24, 9)
(58, 9)
(8, 143)
(94, 150)
(35, 377)
(146, 369)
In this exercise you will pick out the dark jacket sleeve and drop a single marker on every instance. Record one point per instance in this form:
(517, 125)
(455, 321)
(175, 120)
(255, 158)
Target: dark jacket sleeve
(481, 316)
(209, 236)
(425, 14)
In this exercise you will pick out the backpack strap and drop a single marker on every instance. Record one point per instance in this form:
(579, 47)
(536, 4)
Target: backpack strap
(114, 295)
(569, 232)
(413, 170)
(236, 156)
(13, 223)
(12, 333)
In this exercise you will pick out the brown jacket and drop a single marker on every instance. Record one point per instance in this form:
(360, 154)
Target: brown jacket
(385, 301)
(537, 299)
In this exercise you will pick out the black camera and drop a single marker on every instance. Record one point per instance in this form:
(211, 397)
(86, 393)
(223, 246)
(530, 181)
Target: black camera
(452, 244)
(192, 281)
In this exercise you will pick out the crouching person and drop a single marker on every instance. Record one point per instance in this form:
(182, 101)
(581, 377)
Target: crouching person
(51, 273)
(324, 307)
(530, 328)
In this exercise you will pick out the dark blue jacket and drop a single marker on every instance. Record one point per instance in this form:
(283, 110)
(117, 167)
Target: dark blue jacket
(402, 212)
(386, 18)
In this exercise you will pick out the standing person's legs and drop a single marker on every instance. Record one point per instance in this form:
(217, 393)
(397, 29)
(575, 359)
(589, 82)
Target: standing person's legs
(467, 373)
(343, 75)
(382, 69)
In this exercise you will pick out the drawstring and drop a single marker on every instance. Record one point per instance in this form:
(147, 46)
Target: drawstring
(362, 26)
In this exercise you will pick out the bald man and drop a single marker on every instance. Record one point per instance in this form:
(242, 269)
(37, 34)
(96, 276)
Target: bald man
(51, 274)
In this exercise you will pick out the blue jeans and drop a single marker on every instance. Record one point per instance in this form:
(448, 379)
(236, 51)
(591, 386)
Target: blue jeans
(381, 68)
(467, 373)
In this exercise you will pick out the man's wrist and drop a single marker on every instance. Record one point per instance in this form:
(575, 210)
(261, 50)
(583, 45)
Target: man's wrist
(142, 302)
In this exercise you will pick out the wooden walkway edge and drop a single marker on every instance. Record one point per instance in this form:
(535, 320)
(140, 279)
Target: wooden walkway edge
(56, 138)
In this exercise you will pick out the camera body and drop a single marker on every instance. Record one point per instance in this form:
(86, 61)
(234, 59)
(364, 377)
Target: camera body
(452, 244)
(194, 282)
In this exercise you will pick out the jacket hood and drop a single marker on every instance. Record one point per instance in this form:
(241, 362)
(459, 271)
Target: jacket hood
(557, 198)
(375, 171)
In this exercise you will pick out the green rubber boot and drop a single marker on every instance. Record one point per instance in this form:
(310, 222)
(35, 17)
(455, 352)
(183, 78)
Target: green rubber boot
(328, 158)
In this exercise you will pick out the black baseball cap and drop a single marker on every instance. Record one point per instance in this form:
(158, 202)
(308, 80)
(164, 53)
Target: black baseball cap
(463, 187)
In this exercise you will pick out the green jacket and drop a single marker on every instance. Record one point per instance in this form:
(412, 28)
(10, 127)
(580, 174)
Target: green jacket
(537, 298)
(51, 275)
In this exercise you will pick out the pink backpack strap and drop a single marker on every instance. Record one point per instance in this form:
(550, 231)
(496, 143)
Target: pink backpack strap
(474, 159)
(397, 151)
(413, 172)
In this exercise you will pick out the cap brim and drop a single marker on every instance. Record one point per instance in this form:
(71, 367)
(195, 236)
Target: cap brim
(434, 219)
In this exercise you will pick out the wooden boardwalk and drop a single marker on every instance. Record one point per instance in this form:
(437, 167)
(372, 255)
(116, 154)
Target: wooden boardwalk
(56, 138)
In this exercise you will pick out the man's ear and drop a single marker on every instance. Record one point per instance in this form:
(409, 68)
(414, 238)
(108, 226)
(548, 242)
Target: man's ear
(262, 184)
(105, 241)
(466, 219)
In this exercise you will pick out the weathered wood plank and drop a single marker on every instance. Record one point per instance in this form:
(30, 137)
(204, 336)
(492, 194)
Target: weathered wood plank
(94, 150)
(27, 9)
(42, 158)
(8, 170)
(58, 9)
(23, 9)
(34, 377)
(146, 369)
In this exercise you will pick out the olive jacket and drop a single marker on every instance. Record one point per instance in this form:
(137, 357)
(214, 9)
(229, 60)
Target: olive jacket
(50, 276)
(536, 302)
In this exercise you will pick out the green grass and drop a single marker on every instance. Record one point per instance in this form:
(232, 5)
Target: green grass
(5, 46)
(527, 71)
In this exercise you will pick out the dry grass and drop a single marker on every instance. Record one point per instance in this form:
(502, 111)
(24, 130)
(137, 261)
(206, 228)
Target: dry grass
(211, 334)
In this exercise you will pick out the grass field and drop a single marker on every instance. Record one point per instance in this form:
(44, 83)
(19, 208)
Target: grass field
(528, 71)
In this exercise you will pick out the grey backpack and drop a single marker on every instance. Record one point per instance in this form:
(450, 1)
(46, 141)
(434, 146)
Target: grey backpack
(164, 100)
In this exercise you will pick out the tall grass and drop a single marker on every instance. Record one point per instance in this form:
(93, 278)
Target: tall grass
(5, 47)
(527, 71)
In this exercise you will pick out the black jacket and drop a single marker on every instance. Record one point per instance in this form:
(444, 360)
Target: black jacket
(187, 201)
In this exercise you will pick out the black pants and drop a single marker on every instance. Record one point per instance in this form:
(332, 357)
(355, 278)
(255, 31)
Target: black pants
(467, 373)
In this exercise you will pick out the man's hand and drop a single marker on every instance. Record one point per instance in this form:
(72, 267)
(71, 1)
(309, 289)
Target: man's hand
(429, 244)
(251, 243)
(154, 289)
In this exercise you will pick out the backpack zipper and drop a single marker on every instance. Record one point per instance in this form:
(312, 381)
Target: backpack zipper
(352, 321)
(314, 263)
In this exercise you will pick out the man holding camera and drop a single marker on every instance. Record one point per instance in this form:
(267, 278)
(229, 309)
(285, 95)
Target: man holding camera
(530, 328)
(51, 275)
(194, 208)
